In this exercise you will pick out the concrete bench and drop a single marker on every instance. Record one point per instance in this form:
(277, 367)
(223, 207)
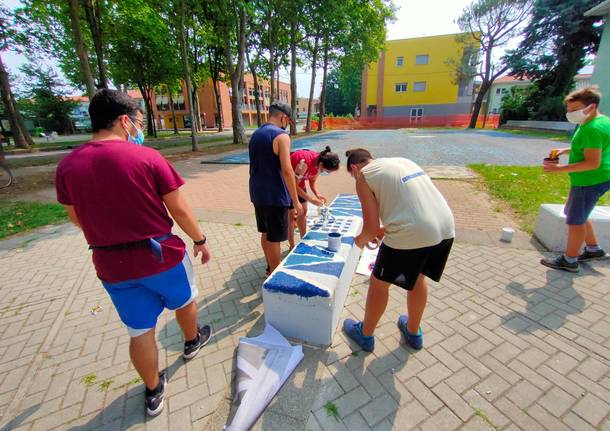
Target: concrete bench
(551, 229)
(304, 296)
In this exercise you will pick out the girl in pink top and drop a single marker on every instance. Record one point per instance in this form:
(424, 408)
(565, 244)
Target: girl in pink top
(308, 165)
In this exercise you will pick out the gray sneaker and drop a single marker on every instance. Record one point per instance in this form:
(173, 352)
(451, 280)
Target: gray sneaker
(592, 255)
(561, 263)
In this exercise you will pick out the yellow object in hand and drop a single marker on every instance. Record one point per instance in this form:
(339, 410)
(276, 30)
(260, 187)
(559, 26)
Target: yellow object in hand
(554, 154)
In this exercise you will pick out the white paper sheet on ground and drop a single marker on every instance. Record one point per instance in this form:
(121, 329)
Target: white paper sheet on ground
(367, 261)
(264, 363)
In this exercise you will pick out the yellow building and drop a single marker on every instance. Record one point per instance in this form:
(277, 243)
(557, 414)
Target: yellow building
(412, 80)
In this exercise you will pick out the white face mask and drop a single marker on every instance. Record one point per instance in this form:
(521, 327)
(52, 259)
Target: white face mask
(577, 117)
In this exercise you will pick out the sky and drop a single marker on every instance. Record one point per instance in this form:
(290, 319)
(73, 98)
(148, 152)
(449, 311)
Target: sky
(413, 19)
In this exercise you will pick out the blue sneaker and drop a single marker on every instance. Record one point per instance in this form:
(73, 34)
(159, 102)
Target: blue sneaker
(353, 330)
(415, 340)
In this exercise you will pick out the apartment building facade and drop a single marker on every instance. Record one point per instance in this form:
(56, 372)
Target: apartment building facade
(413, 80)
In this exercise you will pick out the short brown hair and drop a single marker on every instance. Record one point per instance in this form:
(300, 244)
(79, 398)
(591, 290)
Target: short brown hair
(586, 95)
(357, 155)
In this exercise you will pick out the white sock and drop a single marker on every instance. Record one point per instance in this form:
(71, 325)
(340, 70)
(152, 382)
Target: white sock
(593, 248)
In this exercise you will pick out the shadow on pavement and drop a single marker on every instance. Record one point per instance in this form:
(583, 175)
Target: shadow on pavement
(548, 306)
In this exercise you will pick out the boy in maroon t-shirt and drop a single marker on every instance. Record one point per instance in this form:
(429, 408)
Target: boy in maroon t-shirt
(119, 193)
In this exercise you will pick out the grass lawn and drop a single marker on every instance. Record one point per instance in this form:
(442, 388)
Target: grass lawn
(19, 216)
(525, 188)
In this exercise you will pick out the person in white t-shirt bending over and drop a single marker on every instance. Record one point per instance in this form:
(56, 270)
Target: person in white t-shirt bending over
(418, 231)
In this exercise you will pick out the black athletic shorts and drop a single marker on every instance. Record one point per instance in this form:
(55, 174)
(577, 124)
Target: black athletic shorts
(402, 267)
(300, 200)
(273, 221)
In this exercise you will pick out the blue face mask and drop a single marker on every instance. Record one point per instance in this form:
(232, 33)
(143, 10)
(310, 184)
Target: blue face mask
(323, 173)
(139, 138)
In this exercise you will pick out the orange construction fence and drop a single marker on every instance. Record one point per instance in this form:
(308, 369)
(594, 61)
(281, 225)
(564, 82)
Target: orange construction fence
(460, 120)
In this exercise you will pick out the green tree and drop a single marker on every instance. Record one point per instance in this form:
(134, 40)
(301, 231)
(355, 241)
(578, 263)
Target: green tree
(556, 42)
(11, 37)
(230, 20)
(353, 35)
(44, 101)
(58, 29)
(144, 52)
(81, 47)
(343, 93)
(492, 24)
(515, 104)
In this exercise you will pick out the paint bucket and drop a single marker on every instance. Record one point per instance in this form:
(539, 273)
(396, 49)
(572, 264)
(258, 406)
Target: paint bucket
(507, 234)
(334, 241)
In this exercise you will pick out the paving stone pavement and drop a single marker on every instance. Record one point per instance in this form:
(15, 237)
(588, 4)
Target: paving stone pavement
(509, 344)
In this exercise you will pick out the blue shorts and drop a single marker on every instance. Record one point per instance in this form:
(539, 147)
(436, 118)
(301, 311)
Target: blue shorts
(582, 200)
(139, 302)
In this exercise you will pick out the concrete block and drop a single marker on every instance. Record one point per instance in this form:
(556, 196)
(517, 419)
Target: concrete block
(305, 295)
(551, 229)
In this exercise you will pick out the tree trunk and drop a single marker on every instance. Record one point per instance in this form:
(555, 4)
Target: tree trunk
(277, 83)
(314, 64)
(150, 131)
(173, 111)
(218, 100)
(257, 99)
(272, 95)
(196, 110)
(293, 75)
(187, 73)
(93, 18)
(271, 59)
(323, 92)
(477, 104)
(21, 136)
(81, 48)
(237, 73)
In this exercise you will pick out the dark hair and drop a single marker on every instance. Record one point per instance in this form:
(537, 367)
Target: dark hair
(329, 160)
(280, 108)
(586, 95)
(108, 105)
(357, 155)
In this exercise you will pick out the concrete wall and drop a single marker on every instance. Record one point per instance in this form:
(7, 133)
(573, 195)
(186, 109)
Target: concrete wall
(601, 75)
(560, 126)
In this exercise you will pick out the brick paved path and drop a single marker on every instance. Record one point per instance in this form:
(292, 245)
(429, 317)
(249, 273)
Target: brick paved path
(509, 345)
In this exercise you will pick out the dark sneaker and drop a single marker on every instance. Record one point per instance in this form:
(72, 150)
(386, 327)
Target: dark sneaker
(592, 255)
(353, 330)
(154, 399)
(191, 348)
(415, 340)
(561, 263)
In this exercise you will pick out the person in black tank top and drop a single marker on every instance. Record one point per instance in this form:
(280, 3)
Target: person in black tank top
(272, 181)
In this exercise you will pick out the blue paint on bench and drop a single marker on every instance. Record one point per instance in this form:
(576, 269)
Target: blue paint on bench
(303, 248)
(298, 259)
(328, 268)
(286, 283)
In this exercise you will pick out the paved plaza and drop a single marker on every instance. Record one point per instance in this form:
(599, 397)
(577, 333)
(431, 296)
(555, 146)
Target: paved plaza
(509, 344)
(429, 147)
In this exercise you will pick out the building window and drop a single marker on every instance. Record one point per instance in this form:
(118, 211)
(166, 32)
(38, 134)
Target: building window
(400, 61)
(421, 59)
(417, 113)
(497, 91)
(401, 87)
(504, 90)
(419, 86)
